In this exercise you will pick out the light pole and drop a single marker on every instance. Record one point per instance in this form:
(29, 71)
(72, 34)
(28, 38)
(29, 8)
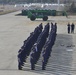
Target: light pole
(58, 4)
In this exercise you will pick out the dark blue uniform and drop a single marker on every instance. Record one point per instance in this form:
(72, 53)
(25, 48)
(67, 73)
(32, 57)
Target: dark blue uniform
(48, 46)
(38, 48)
(26, 48)
(68, 28)
(72, 28)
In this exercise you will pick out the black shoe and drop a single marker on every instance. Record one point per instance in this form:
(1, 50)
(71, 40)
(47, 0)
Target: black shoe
(20, 69)
(33, 69)
(43, 68)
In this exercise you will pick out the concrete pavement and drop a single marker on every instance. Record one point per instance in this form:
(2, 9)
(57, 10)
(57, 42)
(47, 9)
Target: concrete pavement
(15, 29)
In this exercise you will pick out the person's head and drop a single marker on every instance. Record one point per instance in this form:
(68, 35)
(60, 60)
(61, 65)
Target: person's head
(51, 23)
(47, 23)
(20, 50)
(55, 23)
(31, 33)
(41, 26)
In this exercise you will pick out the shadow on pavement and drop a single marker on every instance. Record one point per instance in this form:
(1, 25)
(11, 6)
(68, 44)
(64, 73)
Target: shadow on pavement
(60, 61)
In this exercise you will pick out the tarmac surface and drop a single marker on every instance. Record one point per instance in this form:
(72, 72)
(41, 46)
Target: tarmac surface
(15, 29)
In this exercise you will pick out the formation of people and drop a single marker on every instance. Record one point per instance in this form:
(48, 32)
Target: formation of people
(25, 50)
(47, 49)
(39, 42)
(70, 28)
(37, 47)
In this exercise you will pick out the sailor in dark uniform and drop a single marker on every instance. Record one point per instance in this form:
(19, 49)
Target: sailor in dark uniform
(33, 56)
(20, 63)
(43, 59)
(32, 61)
(68, 28)
(56, 27)
(72, 28)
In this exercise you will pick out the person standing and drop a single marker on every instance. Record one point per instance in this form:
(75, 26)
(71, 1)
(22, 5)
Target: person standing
(20, 63)
(72, 28)
(68, 29)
